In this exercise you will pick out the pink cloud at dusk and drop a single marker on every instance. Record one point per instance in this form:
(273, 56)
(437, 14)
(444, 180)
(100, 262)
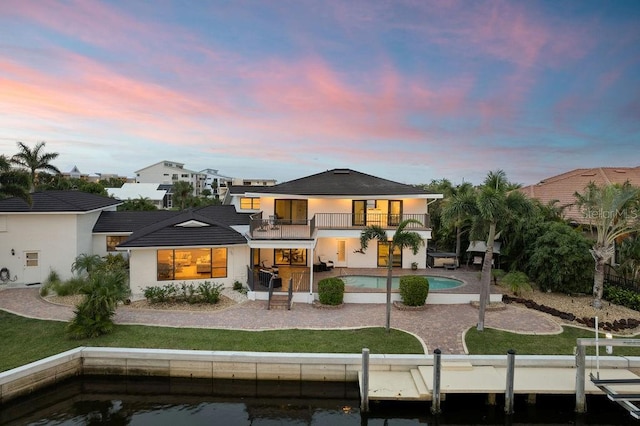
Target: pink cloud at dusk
(477, 86)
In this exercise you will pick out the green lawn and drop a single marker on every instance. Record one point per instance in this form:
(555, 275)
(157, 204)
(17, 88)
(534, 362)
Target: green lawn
(26, 340)
(494, 342)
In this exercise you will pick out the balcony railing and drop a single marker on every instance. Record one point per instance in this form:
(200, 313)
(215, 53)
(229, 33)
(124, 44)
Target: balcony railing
(279, 229)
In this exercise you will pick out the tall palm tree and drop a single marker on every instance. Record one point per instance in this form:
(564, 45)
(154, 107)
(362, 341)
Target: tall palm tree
(497, 202)
(458, 209)
(613, 211)
(13, 183)
(182, 192)
(34, 160)
(401, 239)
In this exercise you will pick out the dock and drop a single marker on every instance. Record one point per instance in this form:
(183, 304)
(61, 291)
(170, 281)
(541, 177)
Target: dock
(464, 378)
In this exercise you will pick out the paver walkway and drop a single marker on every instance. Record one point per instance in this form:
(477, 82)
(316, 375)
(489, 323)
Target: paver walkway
(438, 326)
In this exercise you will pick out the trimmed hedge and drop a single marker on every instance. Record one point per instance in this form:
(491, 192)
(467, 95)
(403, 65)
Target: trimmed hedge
(331, 291)
(414, 290)
(622, 296)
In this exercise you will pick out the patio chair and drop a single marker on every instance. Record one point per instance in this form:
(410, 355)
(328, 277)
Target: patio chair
(326, 263)
(269, 267)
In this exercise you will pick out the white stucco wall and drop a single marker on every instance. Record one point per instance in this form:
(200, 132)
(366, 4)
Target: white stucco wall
(55, 237)
(143, 269)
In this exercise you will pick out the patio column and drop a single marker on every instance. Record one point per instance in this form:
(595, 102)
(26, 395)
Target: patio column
(311, 274)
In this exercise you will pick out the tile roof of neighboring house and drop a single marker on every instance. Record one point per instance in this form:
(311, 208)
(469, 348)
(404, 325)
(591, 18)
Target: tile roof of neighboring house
(563, 187)
(58, 202)
(189, 228)
(341, 182)
(129, 221)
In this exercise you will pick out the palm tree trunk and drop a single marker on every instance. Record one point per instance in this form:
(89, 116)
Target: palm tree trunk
(389, 278)
(485, 278)
(458, 242)
(598, 283)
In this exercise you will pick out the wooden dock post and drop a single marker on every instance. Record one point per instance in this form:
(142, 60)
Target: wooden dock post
(435, 398)
(364, 388)
(581, 401)
(508, 394)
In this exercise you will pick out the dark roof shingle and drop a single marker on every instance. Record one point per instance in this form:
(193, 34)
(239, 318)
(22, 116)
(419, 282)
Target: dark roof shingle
(58, 201)
(342, 182)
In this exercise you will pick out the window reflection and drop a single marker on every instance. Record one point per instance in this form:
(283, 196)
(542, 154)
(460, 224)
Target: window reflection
(290, 257)
(191, 263)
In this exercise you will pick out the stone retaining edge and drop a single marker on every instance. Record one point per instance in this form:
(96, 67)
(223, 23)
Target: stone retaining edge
(246, 365)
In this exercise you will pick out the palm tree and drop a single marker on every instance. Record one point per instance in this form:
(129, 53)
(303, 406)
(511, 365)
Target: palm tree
(137, 204)
(13, 183)
(34, 160)
(182, 193)
(496, 202)
(612, 210)
(457, 210)
(401, 239)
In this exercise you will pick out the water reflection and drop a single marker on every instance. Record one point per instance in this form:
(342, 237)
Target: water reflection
(182, 402)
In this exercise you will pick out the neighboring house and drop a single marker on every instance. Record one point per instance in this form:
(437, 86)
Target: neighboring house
(253, 182)
(75, 173)
(48, 234)
(216, 183)
(169, 172)
(563, 187)
(205, 244)
(156, 193)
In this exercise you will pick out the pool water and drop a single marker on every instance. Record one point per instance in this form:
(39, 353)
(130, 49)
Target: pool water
(364, 281)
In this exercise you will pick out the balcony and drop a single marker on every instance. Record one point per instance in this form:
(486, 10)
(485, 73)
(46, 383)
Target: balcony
(278, 229)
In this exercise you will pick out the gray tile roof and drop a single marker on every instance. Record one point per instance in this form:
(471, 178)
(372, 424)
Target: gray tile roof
(129, 221)
(158, 228)
(58, 201)
(342, 182)
(166, 233)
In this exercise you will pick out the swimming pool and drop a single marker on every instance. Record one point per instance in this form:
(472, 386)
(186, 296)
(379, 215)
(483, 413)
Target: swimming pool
(364, 281)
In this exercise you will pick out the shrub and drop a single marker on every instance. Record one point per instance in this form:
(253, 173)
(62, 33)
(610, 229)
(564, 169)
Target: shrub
(206, 292)
(94, 316)
(52, 280)
(622, 296)
(414, 290)
(71, 286)
(331, 291)
(237, 286)
(517, 282)
(209, 293)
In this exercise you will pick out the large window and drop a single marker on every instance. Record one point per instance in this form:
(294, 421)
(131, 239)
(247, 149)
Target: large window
(376, 212)
(383, 254)
(291, 211)
(297, 257)
(114, 240)
(192, 263)
(247, 203)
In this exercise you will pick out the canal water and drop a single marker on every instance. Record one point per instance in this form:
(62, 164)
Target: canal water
(185, 402)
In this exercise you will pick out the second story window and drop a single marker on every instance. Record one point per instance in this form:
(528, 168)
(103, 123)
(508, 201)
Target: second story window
(247, 203)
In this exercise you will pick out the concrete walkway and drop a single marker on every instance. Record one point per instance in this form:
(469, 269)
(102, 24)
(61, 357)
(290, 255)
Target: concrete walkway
(438, 326)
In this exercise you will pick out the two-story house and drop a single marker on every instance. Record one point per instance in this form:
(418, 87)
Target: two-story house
(170, 172)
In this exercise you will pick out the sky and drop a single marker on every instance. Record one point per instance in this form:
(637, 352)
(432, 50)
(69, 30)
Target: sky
(407, 90)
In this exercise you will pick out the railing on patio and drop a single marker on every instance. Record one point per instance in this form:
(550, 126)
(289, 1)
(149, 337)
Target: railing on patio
(301, 281)
(279, 229)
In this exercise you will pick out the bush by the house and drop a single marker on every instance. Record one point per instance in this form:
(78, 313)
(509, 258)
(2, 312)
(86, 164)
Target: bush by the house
(331, 291)
(414, 290)
(517, 282)
(205, 292)
(94, 316)
(622, 296)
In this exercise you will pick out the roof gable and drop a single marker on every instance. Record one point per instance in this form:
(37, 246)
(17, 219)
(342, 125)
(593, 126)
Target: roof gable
(58, 202)
(208, 226)
(343, 182)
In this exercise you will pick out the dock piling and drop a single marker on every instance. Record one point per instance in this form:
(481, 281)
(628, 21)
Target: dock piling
(435, 399)
(364, 389)
(508, 395)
